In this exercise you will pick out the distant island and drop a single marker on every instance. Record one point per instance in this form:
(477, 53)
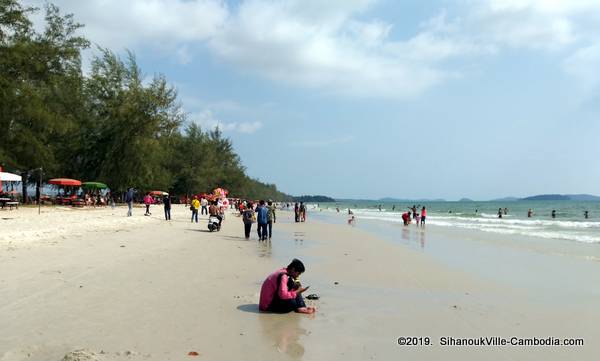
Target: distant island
(313, 199)
(465, 200)
(562, 197)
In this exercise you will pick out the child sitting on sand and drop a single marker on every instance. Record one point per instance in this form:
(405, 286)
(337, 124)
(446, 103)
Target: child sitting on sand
(282, 293)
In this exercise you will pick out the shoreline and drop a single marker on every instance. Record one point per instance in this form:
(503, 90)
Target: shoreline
(175, 288)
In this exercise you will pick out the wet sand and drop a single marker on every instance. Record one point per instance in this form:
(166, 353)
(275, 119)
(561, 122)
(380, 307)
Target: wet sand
(155, 290)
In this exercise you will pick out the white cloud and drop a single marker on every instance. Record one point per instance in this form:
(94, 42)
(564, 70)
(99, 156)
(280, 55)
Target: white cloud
(299, 43)
(207, 120)
(336, 46)
(121, 24)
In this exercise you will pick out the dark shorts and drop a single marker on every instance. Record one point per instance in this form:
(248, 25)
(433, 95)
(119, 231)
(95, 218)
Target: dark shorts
(423, 219)
(286, 306)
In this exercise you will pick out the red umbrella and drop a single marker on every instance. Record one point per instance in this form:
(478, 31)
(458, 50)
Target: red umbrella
(65, 182)
(159, 193)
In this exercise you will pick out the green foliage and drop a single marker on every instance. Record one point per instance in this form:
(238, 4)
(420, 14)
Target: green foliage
(107, 126)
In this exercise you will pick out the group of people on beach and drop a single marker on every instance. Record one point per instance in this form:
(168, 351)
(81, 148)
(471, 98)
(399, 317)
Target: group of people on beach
(418, 217)
(262, 213)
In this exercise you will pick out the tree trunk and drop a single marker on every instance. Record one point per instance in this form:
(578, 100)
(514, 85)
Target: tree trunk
(24, 183)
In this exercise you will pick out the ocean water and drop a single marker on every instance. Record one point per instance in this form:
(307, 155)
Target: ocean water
(569, 223)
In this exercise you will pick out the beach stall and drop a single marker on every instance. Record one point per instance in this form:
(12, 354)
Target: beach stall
(93, 196)
(157, 196)
(8, 198)
(66, 182)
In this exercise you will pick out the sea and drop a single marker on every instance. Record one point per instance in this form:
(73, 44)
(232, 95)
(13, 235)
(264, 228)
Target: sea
(569, 224)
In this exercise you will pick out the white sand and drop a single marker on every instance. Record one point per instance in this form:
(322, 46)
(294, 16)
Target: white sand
(141, 288)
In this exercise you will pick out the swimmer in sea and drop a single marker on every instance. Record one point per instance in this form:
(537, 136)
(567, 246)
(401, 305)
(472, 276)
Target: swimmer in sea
(499, 212)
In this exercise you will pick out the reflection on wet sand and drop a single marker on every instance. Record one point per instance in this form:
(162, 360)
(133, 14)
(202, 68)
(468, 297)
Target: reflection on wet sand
(409, 236)
(299, 237)
(265, 249)
(284, 331)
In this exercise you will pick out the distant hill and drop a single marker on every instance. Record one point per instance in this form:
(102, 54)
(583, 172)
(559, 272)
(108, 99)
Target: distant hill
(313, 199)
(465, 200)
(562, 197)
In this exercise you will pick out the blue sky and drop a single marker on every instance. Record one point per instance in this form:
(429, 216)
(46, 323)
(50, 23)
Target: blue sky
(367, 99)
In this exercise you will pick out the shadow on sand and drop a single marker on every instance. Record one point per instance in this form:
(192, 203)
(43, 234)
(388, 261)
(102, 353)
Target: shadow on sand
(250, 307)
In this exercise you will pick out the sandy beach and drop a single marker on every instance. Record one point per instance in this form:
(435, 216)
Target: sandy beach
(95, 285)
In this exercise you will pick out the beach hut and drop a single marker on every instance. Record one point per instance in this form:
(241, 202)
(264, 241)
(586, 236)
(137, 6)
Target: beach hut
(9, 197)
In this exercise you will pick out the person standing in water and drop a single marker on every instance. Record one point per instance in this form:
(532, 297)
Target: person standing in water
(423, 216)
(499, 212)
(529, 213)
(553, 214)
(585, 214)
(271, 217)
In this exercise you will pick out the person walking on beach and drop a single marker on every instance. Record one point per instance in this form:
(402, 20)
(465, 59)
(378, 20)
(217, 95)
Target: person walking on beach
(499, 212)
(148, 201)
(271, 217)
(204, 204)
(129, 200)
(194, 208)
(296, 212)
(248, 219)
(423, 216)
(302, 212)
(167, 206)
(262, 220)
(281, 292)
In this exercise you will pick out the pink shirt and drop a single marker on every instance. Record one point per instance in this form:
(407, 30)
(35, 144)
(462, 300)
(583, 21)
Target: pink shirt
(148, 200)
(423, 213)
(269, 287)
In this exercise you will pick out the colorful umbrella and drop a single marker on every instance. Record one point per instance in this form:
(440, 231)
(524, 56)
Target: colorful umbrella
(159, 193)
(94, 185)
(65, 182)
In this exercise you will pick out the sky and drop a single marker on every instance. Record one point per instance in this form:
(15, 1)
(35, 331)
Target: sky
(367, 99)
